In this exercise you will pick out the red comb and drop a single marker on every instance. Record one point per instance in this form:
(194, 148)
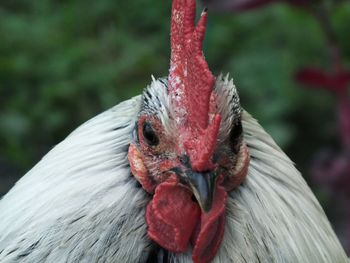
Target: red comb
(191, 83)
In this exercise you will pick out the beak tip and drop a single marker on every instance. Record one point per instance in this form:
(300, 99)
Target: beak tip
(203, 187)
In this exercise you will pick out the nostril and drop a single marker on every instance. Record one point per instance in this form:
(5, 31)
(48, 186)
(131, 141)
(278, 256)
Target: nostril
(194, 198)
(185, 160)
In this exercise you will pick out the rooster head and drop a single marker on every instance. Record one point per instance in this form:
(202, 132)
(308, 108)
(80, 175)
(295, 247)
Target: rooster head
(188, 149)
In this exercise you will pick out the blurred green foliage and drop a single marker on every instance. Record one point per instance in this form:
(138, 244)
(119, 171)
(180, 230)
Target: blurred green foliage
(62, 62)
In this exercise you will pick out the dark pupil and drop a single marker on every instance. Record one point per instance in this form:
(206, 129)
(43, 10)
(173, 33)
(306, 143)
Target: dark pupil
(149, 134)
(236, 136)
(236, 131)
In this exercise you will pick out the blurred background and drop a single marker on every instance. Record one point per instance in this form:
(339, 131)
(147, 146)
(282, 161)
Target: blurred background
(63, 62)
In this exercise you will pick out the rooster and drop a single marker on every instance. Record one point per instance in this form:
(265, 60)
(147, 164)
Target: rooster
(179, 174)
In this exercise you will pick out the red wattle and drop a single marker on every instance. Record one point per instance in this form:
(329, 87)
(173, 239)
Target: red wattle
(172, 216)
(210, 230)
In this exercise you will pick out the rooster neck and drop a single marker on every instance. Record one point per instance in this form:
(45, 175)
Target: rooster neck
(80, 203)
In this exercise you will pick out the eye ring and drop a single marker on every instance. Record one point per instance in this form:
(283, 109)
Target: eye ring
(149, 134)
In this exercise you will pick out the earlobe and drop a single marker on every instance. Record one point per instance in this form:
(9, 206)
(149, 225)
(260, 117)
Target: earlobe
(240, 170)
(139, 170)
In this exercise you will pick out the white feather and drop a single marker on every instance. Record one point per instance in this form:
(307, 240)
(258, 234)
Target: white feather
(81, 204)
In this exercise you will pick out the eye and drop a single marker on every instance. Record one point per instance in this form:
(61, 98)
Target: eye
(149, 134)
(236, 136)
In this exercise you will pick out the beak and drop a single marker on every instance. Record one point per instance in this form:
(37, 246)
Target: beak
(203, 186)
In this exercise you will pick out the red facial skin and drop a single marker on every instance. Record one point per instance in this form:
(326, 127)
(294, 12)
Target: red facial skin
(174, 220)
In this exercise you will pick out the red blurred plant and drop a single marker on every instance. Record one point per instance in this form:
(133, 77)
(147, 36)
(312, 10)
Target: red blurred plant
(330, 168)
(336, 83)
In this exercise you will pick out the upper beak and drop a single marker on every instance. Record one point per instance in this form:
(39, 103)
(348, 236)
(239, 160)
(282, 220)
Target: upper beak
(203, 186)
